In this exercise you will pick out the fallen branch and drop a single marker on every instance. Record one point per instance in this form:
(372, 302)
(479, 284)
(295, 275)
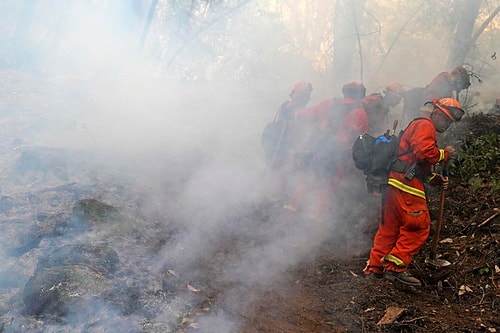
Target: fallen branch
(488, 220)
(412, 320)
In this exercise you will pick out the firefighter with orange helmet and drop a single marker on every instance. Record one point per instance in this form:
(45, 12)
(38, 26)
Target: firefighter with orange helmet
(336, 123)
(378, 106)
(393, 94)
(355, 91)
(405, 219)
(280, 138)
(376, 113)
(300, 95)
(446, 84)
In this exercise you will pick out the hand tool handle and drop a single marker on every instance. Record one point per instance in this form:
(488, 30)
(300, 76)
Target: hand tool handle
(435, 239)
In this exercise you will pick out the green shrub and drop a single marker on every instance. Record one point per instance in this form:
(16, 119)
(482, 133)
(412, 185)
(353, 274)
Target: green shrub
(478, 162)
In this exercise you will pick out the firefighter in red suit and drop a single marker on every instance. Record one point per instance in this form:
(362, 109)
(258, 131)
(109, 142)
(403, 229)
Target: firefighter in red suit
(336, 124)
(282, 152)
(447, 83)
(378, 106)
(405, 219)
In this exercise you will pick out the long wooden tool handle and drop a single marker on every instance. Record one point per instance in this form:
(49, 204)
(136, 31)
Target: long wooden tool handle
(435, 239)
(394, 126)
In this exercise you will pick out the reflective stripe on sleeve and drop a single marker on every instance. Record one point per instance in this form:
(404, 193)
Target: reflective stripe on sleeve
(441, 155)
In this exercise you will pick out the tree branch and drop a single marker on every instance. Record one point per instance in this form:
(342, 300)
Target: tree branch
(360, 50)
(386, 55)
(202, 29)
(147, 24)
(484, 25)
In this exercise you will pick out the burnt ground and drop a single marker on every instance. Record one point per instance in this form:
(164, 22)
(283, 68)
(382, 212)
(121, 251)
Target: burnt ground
(330, 294)
(324, 293)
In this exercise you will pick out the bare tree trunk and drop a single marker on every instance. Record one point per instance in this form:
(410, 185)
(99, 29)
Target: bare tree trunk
(24, 22)
(393, 43)
(484, 25)
(462, 40)
(147, 24)
(189, 39)
(19, 40)
(347, 20)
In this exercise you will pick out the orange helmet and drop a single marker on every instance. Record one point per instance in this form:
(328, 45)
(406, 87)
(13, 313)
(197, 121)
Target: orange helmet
(372, 103)
(302, 86)
(396, 89)
(450, 107)
(354, 90)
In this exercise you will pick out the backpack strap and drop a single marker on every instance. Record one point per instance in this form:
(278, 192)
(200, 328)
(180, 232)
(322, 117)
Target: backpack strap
(399, 165)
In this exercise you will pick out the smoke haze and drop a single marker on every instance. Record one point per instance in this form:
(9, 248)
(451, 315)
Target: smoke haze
(187, 137)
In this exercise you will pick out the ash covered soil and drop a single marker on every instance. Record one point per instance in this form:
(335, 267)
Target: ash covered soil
(329, 294)
(89, 246)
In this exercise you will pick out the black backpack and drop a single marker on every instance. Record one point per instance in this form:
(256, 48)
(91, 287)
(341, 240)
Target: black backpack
(375, 156)
(274, 138)
(274, 141)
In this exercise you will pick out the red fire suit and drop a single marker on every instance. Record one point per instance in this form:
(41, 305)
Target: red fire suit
(354, 123)
(441, 86)
(284, 168)
(338, 122)
(405, 220)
